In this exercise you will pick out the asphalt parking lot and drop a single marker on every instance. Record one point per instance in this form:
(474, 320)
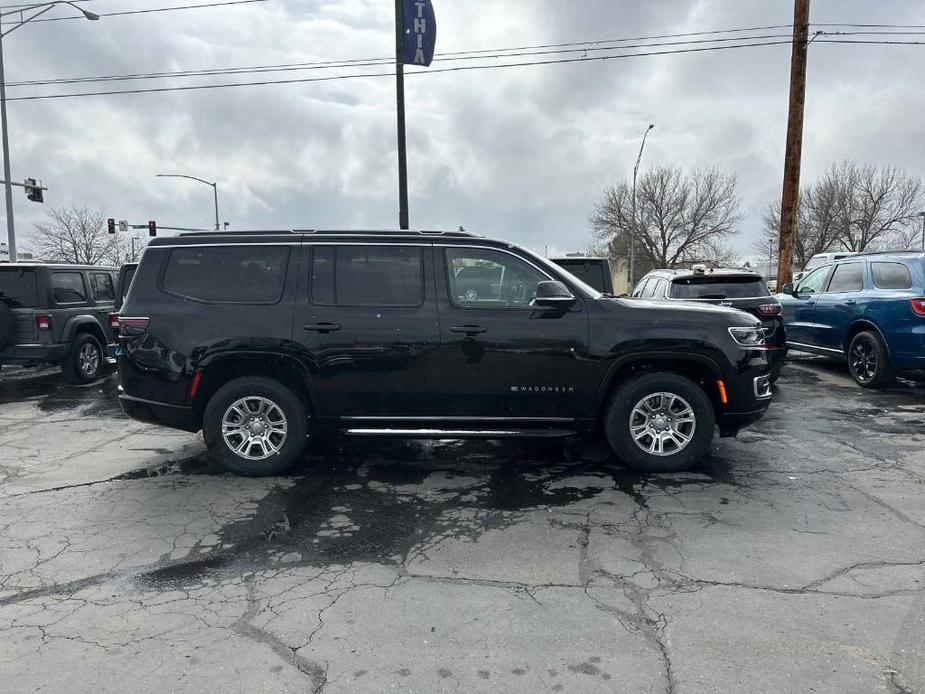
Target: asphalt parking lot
(793, 561)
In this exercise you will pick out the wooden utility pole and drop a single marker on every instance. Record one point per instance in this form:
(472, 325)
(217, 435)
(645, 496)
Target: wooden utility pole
(790, 199)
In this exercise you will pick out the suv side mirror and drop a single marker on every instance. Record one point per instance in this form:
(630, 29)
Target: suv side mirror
(553, 294)
(789, 289)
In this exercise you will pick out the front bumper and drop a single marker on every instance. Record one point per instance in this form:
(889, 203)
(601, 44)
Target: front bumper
(151, 412)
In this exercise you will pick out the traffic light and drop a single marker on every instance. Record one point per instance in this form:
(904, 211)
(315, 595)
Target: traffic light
(111, 225)
(152, 228)
(34, 190)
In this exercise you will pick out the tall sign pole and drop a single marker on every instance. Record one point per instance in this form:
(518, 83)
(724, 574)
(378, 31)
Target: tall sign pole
(790, 197)
(415, 39)
(400, 103)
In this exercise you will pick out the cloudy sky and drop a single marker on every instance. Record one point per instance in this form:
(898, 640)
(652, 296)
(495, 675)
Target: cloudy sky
(519, 153)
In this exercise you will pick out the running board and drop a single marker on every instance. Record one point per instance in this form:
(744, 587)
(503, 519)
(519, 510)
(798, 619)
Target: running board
(463, 433)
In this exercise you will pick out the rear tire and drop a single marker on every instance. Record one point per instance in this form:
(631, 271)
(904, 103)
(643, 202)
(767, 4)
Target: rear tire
(869, 361)
(255, 426)
(84, 362)
(660, 422)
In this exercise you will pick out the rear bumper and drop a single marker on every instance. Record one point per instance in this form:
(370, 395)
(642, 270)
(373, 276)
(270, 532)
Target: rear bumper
(35, 353)
(151, 412)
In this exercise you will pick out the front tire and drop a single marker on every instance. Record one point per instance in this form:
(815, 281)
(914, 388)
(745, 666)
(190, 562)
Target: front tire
(84, 362)
(868, 361)
(255, 426)
(660, 422)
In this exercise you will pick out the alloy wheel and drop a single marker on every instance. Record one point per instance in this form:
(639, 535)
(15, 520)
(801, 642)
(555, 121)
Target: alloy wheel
(89, 358)
(662, 424)
(863, 360)
(254, 427)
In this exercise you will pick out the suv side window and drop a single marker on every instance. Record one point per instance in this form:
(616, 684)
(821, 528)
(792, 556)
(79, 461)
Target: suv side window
(386, 276)
(245, 274)
(847, 277)
(658, 292)
(485, 278)
(641, 288)
(891, 276)
(103, 289)
(812, 283)
(68, 288)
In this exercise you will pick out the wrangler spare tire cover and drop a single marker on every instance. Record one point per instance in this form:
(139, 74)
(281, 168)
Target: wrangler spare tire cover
(7, 325)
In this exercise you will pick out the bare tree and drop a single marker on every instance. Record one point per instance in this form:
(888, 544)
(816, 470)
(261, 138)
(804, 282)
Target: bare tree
(75, 235)
(879, 204)
(679, 217)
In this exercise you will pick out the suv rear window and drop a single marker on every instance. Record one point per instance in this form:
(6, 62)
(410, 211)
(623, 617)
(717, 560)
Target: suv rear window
(723, 287)
(246, 274)
(891, 276)
(367, 276)
(591, 272)
(101, 282)
(19, 287)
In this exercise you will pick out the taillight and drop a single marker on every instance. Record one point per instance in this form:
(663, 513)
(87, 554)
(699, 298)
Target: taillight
(114, 321)
(769, 309)
(43, 321)
(918, 305)
(132, 326)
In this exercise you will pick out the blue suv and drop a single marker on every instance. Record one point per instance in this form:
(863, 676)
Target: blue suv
(869, 308)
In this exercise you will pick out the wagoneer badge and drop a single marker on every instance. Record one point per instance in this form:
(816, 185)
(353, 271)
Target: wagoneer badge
(542, 389)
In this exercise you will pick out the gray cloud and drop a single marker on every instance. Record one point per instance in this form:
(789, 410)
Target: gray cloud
(520, 153)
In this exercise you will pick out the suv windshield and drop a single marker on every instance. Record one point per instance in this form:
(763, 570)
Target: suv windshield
(18, 287)
(725, 287)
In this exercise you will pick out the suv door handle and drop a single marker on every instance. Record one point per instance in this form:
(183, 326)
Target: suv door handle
(850, 302)
(469, 329)
(322, 327)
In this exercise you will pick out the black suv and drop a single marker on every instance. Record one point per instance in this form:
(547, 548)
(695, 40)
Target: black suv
(263, 340)
(741, 289)
(57, 314)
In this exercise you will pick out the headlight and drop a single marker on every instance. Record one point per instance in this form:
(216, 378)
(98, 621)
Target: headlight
(748, 337)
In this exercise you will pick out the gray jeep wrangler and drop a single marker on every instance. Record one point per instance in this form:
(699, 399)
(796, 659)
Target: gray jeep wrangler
(57, 314)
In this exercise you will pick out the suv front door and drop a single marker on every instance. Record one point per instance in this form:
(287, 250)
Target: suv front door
(366, 321)
(501, 357)
(800, 308)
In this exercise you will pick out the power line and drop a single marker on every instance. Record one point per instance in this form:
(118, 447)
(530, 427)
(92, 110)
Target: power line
(327, 65)
(458, 68)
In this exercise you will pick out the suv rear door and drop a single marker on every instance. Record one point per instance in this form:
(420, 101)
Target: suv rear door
(366, 320)
(500, 358)
(19, 292)
(842, 300)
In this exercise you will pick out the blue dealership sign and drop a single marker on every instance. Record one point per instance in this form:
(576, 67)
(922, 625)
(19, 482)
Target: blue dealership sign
(420, 32)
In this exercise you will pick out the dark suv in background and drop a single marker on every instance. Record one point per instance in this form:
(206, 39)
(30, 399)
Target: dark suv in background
(57, 314)
(264, 339)
(741, 289)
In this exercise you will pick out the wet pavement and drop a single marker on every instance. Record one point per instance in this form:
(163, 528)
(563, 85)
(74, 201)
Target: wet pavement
(792, 561)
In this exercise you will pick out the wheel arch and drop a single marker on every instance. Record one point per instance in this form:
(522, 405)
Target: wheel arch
(861, 325)
(83, 324)
(699, 368)
(220, 370)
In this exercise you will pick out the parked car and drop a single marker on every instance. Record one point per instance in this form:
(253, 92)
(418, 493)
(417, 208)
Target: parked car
(58, 314)
(126, 273)
(264, 339)
(867, 308)
(594, 272)
(741, 289)
(821, 259)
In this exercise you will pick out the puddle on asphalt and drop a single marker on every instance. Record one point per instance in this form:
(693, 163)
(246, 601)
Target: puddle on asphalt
(50, 393)
(359, 500)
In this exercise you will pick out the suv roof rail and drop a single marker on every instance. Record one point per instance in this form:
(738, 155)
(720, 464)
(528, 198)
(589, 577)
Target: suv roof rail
(397, 232)
(862, 253)
(334, 232)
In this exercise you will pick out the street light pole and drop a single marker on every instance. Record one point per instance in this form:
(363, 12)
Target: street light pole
(41, 8)
(922, 215)
(633, 229)
(214, 185)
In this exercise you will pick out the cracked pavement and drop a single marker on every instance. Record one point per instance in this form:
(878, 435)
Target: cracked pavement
(793, 560)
